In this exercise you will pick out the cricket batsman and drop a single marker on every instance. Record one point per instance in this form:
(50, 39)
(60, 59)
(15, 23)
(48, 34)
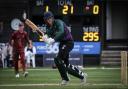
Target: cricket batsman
(57, 31)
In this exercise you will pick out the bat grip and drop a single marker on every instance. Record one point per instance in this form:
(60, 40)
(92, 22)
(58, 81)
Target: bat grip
(40, 32)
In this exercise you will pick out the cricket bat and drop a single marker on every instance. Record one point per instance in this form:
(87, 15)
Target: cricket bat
(34, 28)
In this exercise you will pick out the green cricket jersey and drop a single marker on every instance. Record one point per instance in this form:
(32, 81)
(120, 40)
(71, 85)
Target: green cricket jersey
(59, 31)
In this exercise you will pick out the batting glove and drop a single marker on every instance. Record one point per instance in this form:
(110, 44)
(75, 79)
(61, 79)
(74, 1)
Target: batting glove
(50, 41)
(45, 38)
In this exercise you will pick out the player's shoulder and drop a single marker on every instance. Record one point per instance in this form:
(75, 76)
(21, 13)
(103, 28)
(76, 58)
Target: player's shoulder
(58, 21)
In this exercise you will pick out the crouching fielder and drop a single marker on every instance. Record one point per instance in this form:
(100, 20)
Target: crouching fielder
(57, 31)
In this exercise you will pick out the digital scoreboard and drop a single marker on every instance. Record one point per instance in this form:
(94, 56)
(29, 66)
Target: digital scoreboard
(72, 7)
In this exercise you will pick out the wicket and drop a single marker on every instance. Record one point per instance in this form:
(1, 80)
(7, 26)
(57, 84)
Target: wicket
(124, 67)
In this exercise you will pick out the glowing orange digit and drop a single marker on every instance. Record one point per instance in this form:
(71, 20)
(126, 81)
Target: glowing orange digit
(95, 9)
(72, 9)
(90, 36)
(96, 36)
(85, 37)
(65, 9)
(40, 38)
(47, 8)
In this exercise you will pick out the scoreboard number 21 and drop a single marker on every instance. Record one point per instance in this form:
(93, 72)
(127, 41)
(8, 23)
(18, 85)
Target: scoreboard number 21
(69, 9)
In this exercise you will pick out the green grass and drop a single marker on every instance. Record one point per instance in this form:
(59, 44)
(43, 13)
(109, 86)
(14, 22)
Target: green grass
(97, 79)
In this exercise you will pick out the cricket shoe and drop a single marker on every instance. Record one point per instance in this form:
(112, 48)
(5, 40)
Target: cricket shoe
(25, 74)
(17, 75)
(84, 80)
(64, 82)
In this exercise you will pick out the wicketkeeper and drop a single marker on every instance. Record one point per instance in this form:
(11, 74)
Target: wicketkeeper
(57, 31)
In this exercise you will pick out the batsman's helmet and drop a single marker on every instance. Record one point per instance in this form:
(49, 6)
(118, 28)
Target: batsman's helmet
(48, 15)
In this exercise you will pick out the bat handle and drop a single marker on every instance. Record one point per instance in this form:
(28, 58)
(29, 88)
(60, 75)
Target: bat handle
(40, 32)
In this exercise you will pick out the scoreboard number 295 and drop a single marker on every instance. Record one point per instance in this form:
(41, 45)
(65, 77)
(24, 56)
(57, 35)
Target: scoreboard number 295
(91, 36)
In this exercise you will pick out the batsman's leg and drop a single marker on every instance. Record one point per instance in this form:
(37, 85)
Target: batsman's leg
(70, 68)
(73, 70)
(62, 69)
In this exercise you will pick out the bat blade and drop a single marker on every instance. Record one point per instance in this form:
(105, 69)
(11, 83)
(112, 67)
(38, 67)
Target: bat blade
(31, 24)
(33, 27)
